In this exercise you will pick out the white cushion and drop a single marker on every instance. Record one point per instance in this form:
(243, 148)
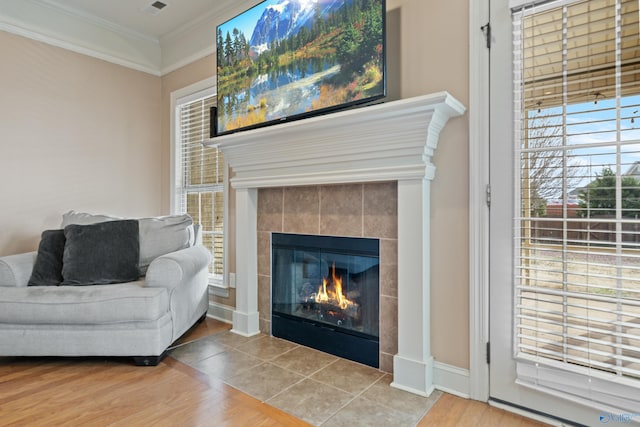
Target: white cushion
(82, 305)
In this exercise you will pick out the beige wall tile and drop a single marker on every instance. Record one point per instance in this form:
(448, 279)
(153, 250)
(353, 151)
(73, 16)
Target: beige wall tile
(380, 217)
(389, 280)
(270, 203)
(264, 253)
(386, 362)
(388, 325)
(265, 326)
(264, 297)
(302, 210)
(341, 210)
(389, 251)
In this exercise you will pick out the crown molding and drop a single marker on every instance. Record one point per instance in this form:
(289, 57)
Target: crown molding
(43, 22)
(197, 39)
(33, 35)
(108, 25)
(51, 22)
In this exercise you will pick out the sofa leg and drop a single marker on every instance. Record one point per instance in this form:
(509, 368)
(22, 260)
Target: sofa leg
(148, 360)
(201, 319)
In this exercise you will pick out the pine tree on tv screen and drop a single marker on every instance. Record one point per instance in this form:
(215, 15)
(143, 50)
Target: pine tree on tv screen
(291, 58)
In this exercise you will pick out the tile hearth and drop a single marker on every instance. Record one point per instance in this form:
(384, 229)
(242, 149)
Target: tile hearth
(316, 387)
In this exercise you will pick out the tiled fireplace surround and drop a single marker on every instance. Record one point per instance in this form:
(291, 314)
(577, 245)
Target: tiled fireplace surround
(364, 172)
(354, 210)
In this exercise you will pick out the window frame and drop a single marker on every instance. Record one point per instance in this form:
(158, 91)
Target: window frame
(178, 98)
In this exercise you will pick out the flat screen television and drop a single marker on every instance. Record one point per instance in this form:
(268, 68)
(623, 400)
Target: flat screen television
(285, 60)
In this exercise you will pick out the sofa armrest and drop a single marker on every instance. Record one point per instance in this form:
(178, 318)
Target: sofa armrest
(185, 275)
(171, 269)
(15, 270)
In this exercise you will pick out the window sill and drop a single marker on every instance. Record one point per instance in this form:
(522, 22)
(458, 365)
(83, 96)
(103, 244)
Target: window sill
(604, 391)
(219, 290)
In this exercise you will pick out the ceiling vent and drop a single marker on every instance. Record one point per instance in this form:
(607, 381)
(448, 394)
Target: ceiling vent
(154, 8)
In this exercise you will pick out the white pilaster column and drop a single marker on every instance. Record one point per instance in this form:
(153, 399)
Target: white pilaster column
(245, 316)
(413, 365)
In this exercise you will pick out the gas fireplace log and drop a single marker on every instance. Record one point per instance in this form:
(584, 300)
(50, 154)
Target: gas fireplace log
(352, 311)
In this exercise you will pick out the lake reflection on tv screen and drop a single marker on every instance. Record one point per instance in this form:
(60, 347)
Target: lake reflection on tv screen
(293, 58)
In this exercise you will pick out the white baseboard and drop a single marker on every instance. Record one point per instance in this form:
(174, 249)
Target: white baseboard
(220, 312)
(527, 414)
(451, 379)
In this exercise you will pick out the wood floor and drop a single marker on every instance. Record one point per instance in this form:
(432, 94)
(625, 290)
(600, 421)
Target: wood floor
(101, 392)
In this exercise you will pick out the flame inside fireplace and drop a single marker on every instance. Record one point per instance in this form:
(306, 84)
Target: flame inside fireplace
(333, 296)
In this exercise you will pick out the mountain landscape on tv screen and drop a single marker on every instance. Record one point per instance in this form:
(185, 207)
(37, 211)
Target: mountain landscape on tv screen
(292, 57)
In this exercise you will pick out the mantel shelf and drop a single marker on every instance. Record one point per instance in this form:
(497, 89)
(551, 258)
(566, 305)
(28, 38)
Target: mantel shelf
(383, 142)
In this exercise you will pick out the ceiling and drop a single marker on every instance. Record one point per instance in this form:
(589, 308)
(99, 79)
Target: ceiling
(130, 15)
(130, 33)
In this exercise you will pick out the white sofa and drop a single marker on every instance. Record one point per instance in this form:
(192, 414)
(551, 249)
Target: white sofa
(139, 319)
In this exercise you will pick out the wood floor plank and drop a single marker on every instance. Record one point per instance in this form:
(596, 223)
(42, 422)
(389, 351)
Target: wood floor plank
(439, 413)
(452, 411)
(114, 392)
(473, 415)
(43, 390)
(208, 405)
(93, 393)
(207, 327)
(164, 387)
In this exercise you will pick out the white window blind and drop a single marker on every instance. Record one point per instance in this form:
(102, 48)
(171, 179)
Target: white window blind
(201, 179)
(577, 221)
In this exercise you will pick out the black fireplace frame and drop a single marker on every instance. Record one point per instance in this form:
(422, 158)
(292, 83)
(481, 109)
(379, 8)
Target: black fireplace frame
(332, 339)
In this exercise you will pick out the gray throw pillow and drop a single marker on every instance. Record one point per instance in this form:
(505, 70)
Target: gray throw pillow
(102, 253)
(163, 235)
(47, 270)
(158, 235)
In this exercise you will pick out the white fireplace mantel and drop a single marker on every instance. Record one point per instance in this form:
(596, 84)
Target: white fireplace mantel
(393, 141)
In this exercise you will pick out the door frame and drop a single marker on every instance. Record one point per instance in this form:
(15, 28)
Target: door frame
(479, 230)
(479, 195)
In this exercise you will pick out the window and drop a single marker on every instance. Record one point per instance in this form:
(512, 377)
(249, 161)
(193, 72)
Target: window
(577, 222)
(200, 176)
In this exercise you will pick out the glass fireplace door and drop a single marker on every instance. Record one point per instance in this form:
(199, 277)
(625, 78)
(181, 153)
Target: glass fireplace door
(326, 288)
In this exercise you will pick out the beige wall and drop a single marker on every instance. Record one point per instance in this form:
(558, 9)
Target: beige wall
(435, 57)
(75, 133)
